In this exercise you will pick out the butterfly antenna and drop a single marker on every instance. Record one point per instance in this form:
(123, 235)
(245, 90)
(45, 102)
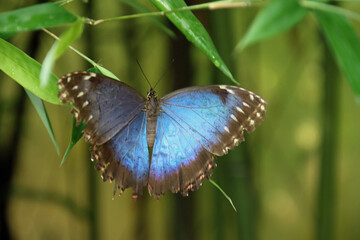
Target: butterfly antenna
(143, 73)
(166, 71)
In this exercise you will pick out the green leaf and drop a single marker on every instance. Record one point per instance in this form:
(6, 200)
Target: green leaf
(34, 17)
(222, 191)
(77, 133)
(194, 31)
(142, 9)
(344, 44)
(58, 48)
(26, 71)
(41, 110)
(277, 17)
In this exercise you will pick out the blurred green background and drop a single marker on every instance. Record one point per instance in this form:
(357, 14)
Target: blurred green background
(273, 178)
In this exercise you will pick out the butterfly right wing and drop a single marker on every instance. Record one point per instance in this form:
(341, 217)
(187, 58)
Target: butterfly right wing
(105, 104)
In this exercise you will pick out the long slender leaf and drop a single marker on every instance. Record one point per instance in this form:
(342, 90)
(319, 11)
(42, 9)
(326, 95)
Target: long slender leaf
(26, 71)
(34, 17)
(77, 133)
(345, 45)
(277, 17)
(194, 31)
(223, 192)
(58, 48)
(41, 110)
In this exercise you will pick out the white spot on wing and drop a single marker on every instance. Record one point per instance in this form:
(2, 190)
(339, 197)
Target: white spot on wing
(222, 86)
(85, 104)
(87, 77)
(252, 97)
(80, 94)
(75, 87)
(252, 122)
(262, 108)
(92, 74)
(227, 129)
(90, 117)
(258, 114)
(245, 104)
(240, 110)
(230, 91)
(234, 118)
(68, 79)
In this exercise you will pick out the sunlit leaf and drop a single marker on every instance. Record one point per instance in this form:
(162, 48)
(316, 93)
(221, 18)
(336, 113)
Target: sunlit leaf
(277, 17)
(194, 31)
(344, 44)
(26, 71)
(58, 48)
(34, 17)
(41, 110)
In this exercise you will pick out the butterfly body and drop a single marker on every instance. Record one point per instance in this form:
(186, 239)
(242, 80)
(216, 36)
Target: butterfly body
(183, 130)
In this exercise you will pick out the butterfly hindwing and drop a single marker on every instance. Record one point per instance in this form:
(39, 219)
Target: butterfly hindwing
(194, 124)
(125, 158)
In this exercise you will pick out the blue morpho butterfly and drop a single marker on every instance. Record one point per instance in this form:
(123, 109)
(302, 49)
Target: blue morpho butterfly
(184, 130)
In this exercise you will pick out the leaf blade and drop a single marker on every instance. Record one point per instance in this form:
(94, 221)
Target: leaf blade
(194, 31)
(41, 111)
(26, 71)
(34, 17)
(345, 45)
(277, 17)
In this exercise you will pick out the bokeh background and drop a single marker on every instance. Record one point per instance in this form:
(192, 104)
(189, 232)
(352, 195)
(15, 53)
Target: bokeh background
(273, 178)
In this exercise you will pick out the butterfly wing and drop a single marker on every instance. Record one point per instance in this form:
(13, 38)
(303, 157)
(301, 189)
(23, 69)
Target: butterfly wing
(116, 126)
(194, 124)
(105, 104)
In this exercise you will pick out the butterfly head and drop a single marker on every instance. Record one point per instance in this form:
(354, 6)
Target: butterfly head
(152, 103)
(151, 94)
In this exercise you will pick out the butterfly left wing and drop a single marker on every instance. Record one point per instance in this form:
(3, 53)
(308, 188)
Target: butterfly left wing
(116, 126)
(193, 125)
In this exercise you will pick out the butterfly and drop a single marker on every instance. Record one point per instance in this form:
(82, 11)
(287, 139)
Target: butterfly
(164, 144)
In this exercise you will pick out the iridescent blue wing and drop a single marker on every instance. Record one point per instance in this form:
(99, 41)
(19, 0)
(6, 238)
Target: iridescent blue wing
(194, 124)
(116, 126)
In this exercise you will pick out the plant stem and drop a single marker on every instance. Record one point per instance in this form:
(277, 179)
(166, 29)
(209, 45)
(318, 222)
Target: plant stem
(326, 190)
(211, 6)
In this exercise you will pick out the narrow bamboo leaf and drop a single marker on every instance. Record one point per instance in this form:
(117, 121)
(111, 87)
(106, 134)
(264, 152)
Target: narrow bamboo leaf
(34, 17)
(222, 191)
(58, 48)
(344, 44)
(102, 69)
(277, 17)
(41, 110)
(194, 31)
(142, 9)
(26, 71)
(77, 133)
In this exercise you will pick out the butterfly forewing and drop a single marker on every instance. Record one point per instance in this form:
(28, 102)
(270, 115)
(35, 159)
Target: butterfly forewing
(106, 105)
(194, 124)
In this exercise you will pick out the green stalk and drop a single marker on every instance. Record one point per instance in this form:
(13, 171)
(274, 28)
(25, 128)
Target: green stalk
(326, 190)
(92, 175)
